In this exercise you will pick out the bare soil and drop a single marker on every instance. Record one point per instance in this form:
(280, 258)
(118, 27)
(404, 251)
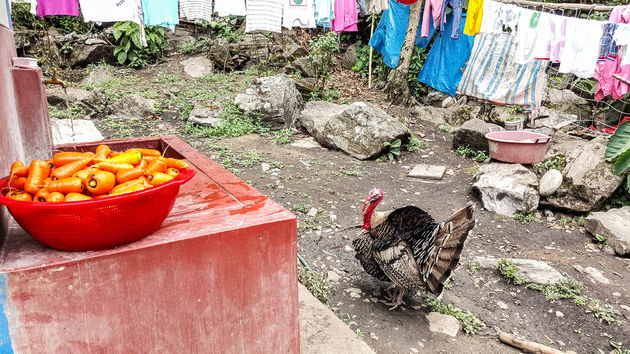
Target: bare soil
(336, 184)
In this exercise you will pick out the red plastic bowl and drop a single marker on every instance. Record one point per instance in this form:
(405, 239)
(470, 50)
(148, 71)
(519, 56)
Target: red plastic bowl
(98, 223)
(518, 146)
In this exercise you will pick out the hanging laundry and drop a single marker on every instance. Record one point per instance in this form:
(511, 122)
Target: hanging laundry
(533, 36)
(5, 14)
(499, 17)
(447, 58)
(225, 8)
(111, 10)
(196, 9)
(389, 35)
(377, 6)
(264, 15)
(612, 129)
(299, 13)
(407, 2)
(345, 16)
(558, 34)
(608, 48)
(432, 9)
(362, 8)
(456, 5)
(606, 83)
(57, 7)
(493, 75)
(581, 47)
(474, 16)
(164, 13)
(324, 12)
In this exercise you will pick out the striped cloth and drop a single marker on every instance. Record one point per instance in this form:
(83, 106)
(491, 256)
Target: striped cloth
(196, 9)
(492, 73)
(264, 15)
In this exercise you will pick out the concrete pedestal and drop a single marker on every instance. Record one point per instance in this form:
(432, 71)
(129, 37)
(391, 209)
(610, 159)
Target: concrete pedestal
(219, 276)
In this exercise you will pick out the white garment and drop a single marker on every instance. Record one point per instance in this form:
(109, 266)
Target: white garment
(4, 14)
(533, 37)
(499, 17)
(581, 47)
(622, 37)
(34, 7)
(196, 9)
(377, 6)
(230, 7)
(264, 15)
(299, 13)
(111, 10)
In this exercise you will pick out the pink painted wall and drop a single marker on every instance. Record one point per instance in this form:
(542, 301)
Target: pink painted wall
(24, 120)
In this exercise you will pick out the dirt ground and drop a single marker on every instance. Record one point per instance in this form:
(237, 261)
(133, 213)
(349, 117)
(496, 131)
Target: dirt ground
(336, 184)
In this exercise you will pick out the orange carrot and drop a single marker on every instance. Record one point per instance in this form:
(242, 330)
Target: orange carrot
(132, 157)
(68, 170)
(142, 164)
(21, 196)
(17, 182)
(38, 170)
(172, 172)
(18, 169)
(145, 152)
(156, 178)
(54, 197)
(123, 176)
(157, 165)
(83, 174)
(130, 186)
(76, 197)
(46, 182)
(113, 167)
(100, 196)
(66, 185)
(100, 182)
(179, 164)
(114, 154)
(64, 158)
(41, 195)
(102, 152)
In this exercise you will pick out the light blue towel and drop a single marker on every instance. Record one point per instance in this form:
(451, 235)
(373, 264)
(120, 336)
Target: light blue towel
(324, 12)
(163, 13)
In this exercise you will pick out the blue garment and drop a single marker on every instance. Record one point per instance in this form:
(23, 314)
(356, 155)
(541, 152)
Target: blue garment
(608, 47)
(447, 59)
(389, 35)
(163, 13)
(324, 13)
(456, 5)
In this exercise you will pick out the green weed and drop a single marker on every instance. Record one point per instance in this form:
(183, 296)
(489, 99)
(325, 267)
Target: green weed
(555, 163)
(283, 136)
(476, 155)
(524, 217)
(470, 321)
(416, 144)
(317, 283)
(234, 123)
(301, 208)
(509, 270)
(355, 171)
(445, 128)
(601, 241)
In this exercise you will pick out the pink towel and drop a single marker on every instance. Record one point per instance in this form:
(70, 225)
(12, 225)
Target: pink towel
(57, 7)
(345, 16)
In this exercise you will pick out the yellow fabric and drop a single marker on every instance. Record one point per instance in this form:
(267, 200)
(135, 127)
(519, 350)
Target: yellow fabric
(473, 17)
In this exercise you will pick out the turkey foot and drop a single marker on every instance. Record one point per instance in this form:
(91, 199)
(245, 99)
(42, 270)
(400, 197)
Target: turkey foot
(399, 299)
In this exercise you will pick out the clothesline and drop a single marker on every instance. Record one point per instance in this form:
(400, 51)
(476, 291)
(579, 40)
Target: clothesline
(559, 6)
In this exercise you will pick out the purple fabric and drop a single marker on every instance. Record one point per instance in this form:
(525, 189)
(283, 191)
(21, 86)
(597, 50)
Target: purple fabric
(57, 7)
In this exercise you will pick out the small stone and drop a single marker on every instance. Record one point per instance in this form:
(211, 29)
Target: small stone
(502, 305)
(559, 314)
(348, 248)
(440, 323)
(197, 66)
(561, 343)
(616, 294)
(355, 295)
(265, 166)
(548, 213)
(312, 212)
(413, 350)
(306, 143)
(594, 274)
(333, 276)
(427, 172)
(373, 336)
(550, 182)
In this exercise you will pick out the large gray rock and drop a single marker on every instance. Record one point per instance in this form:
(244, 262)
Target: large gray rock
(359, 129)
(97, 75)
(614, 224)
(554, 119)
(132, 107)
(499, 114)
(564, 101)
(462, 114)
(533, 271)
(301, 66)
(445, 324)
(473, 134)
(507, 189)
(85, 54)
(275, 99)
(291, 49)
(66, 131)
(253, 46)
(588, 178)
(197, 66)
(220, 54)
(90, 101)
(349, 58)
(208, 115)
(435, 115)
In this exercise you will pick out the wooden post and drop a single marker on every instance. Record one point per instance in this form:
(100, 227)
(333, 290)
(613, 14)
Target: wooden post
(371, 51)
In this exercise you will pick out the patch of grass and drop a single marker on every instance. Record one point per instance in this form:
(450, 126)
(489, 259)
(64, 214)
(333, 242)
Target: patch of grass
(473, 267)
(234, 123)
(509, 270)
(476, 155)
(355, 171)
(445, 128)
(524, 217)
(301, 208)
(581, 221)
(317, 283)
(283, 136)
(470, 321)
(555, 163)
(416, 144)
(308, 224)
(74, 111)
(328, 95)
(200, 43)
(116, 87)
(601, 241)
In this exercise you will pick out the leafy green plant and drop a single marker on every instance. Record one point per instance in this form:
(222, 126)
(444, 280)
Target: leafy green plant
(282, 136)
(362, 64)
(129, 49)
(416, 144)
(322, 59)
(618, 149)
(393, 151)
(601, 241)
(473, 267)
(476, 155)
(418, 58)
(514, 119)
(196, 44)
(509, 270)
(470, 321)
(328, 95)
(233, 123)
(317, 283)
(555, 163)
(301, 208)
(524, 217)
(353, 172)
(445, 128)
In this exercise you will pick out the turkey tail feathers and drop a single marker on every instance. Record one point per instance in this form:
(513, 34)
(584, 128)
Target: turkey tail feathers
(449, 242)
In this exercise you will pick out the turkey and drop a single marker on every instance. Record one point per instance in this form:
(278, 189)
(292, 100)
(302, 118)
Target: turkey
(408, 248)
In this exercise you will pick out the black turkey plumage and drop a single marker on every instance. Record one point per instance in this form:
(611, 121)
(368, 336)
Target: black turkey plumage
(408, 248)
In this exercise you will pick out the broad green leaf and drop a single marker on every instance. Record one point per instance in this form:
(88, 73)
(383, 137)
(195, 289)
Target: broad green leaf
(622, 163)
(619, 142)
(628, 182)
(122, 57)
(396, 143)
(136, 40)
(117, 32)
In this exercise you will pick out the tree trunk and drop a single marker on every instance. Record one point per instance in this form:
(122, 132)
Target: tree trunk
(397, 87)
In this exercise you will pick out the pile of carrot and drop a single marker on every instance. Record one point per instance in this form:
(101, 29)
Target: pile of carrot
(77, 176)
